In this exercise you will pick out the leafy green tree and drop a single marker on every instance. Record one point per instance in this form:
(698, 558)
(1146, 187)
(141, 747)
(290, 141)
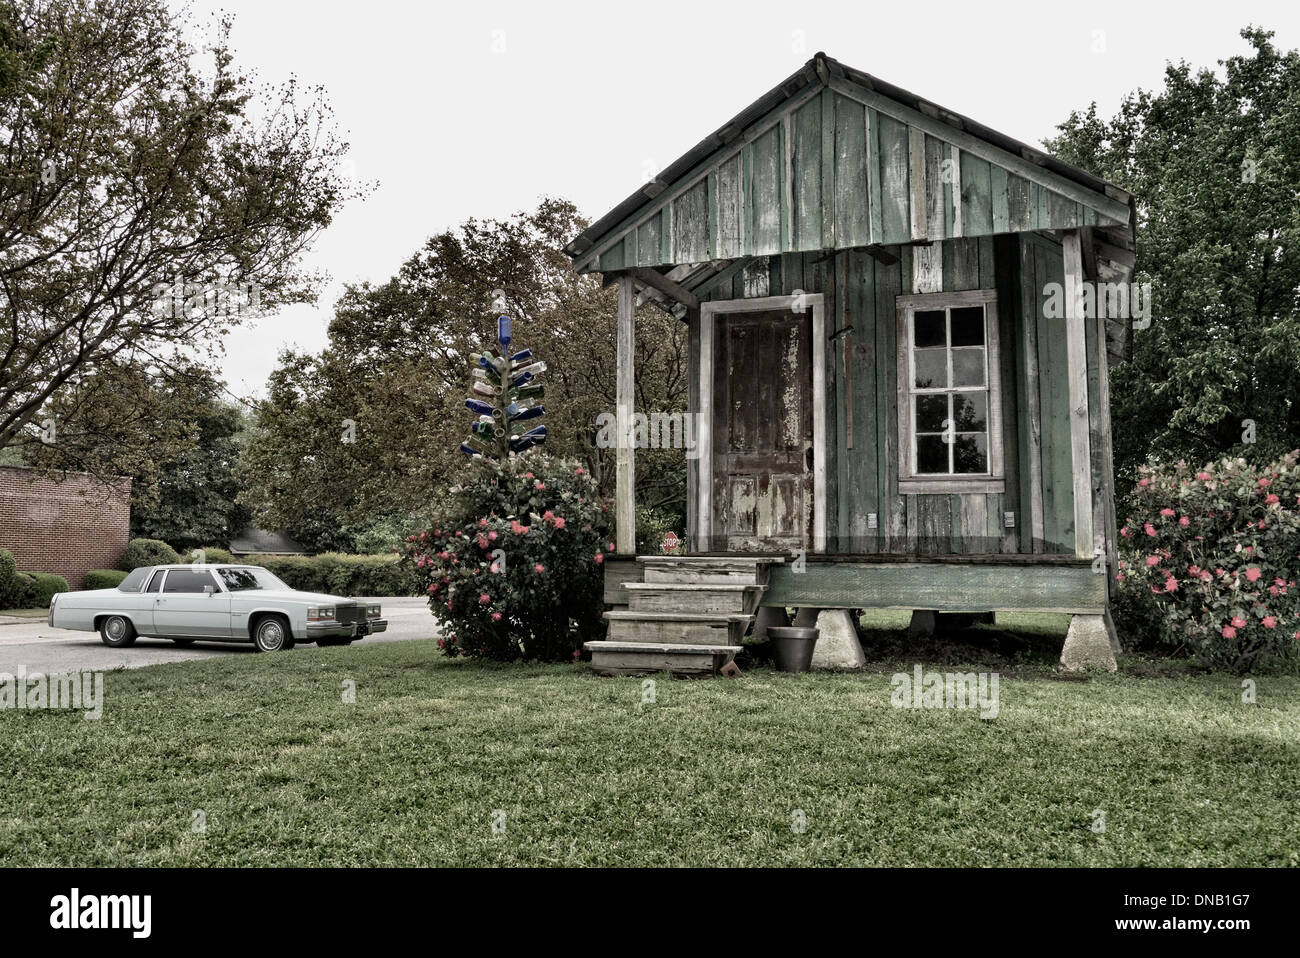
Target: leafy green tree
(372, 426)
(196, 498)
(148, 203)
(1213, 161)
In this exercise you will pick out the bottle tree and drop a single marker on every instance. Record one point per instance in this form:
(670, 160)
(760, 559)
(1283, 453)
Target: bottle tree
(504, 397)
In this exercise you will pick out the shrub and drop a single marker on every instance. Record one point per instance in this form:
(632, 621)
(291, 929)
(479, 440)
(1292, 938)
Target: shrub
(8, 580)
(23, 592)
(1210, 558)
(515, 569)
(43, 587)
(104, 579)
(340, 573)
(141, 552)
(213, 555)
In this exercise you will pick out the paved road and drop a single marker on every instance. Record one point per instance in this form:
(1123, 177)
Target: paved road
(46, 650)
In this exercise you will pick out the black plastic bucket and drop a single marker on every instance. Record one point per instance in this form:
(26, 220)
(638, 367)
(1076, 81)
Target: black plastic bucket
(792, 647)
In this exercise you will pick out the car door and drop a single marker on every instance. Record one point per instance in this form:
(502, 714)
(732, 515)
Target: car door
(192, 605)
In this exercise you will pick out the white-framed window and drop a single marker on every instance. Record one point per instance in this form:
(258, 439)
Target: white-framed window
(949, 393)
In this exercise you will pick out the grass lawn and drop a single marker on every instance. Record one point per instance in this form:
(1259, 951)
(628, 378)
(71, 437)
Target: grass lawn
(25, 613)
(712, 772)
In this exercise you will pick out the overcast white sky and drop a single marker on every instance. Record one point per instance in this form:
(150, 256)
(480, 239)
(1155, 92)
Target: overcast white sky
(480, 108)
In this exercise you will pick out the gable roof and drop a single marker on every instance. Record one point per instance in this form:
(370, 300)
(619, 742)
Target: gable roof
(834, 158)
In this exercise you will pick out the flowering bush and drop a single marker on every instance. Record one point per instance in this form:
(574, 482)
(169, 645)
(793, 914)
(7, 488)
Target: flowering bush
(515, 569)
(1209, 562)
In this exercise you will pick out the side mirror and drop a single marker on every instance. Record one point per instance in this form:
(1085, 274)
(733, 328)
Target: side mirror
(209, 589)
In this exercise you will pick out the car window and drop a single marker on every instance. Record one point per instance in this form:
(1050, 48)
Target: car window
(245, 578)
(183, 580)
(133, 580)
(155, 584)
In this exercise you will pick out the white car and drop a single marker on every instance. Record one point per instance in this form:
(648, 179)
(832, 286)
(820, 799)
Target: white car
(218, 603)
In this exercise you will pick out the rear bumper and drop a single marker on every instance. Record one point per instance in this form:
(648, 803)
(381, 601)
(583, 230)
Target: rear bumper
(346, 630)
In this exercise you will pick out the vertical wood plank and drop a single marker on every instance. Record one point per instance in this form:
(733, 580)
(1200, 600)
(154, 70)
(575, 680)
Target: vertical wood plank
(916, 182)
(1031, 403)
(895, 224)
(958, 224)
(1001, 211)
(828, 210)
(873, 177)
(1077, 350)
(625, 462)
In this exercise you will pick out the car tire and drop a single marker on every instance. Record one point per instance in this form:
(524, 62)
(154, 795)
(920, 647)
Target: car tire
(183, 642)
(117, 632)
(272, 634)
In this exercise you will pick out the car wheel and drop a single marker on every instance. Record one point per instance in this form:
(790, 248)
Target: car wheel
(117, 632)
(183, 642)
(272, 635)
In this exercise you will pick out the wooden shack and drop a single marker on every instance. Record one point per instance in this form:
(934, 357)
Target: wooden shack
(901, 325)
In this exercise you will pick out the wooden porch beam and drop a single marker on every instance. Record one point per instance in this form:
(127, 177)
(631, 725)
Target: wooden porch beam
(658, 281)
(625, 461)
(1076, 345)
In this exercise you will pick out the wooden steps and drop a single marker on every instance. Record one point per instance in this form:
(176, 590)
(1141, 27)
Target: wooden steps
(639, 658)
(688, 616)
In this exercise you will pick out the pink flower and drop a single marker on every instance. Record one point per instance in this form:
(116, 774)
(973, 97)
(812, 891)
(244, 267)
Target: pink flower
(1184, 522)
(1171, 584)
(599, 558)
(482, 522)
(496, 616)
(1143, 483)
(1265, 483)
(1269, 622)
(610, 546)
(1202, 475)
(1271, 499)
(1238, 622)
(1272, 590)
(1153, 560)
(539, 568)
(528, 475)
(1166, 512)
(1124, 531)
(559, 522)
(1149, 529)
(539, 485)
(579, 471)
(493, 535)
(1229, 632)
(484, 599)
(495, 567)
(1252, 574)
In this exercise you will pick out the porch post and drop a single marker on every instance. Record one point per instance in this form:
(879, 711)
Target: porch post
(1076, 345)
(625, 463)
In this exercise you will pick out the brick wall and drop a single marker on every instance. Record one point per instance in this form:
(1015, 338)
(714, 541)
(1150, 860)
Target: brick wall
(67, 527)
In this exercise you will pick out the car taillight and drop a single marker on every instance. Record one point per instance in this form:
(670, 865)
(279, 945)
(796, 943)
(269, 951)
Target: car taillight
(322, 614)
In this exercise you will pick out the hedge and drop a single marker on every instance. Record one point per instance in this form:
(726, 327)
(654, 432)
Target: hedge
(9, 591)
(43, 587)
(338, 573)
(143, 552)
(104, 578)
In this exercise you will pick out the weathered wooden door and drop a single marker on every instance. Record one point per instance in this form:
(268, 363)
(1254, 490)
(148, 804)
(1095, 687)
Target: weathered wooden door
(762, 432)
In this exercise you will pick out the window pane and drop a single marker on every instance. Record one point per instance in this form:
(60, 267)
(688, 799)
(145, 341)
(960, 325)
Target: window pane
(971, 411)
(970, 453)
(968, 326)
(931, 411)
(968, 366)
(182, 580)
(928, 329)
(931, 368)
(931, 454)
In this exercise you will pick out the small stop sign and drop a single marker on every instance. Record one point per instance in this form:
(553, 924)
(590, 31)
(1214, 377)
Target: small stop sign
(670, 541)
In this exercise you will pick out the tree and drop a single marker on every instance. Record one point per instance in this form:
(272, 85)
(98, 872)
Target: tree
(195, 502)
(372, 426)
(1213, 161)
(146, 205)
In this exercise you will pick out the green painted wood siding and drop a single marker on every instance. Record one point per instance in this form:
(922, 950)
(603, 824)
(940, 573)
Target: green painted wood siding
(862, 414)
(827, 171)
